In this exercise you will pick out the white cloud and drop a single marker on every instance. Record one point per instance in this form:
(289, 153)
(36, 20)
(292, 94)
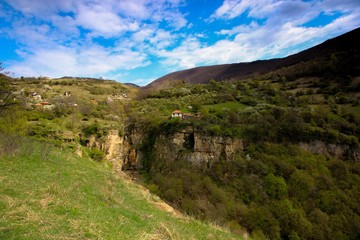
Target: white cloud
(239, 29)
(60, 37)
(143, 34)
(31, 35)
(276, 37)
(192, 53)
(275, 40)
(161, 39)
(282, 11)
(136, 9)
(67, 25)
(106, 18)
(233, 8)
(101, 22)
(296, 11)
(150, 39)
(41, 8)
(83, 61)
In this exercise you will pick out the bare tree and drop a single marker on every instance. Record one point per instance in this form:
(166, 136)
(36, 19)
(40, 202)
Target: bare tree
(6, 93)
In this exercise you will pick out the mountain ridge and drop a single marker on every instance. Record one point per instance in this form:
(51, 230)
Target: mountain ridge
(243, 70)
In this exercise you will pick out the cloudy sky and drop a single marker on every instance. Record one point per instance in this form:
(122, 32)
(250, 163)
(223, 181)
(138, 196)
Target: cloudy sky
(140, 40)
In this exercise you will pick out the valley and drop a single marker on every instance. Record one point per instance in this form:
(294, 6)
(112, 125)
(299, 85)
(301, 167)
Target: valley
(270, 154)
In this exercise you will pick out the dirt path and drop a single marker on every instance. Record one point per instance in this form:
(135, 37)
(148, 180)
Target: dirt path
(135, 177)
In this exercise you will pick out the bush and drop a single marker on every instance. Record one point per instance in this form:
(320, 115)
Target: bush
(91, 129)
(153, 189)
(96, 154)
(275, 187)
(9, 145)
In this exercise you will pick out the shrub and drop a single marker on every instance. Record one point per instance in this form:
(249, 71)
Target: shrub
(9, 144)
(91, 129)
(96, 154)
(153, 189)
(275, 187)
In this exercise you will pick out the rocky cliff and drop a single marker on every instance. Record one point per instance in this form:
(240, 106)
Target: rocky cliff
(128, 151)
(117, 150)
(331, 150)
(183, 145)
(196, 147)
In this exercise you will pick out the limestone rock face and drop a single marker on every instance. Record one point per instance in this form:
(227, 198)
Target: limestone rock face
(132, 155)
(117, 149)
(78, 151)
(94, 143)
(331, 150)
(196, 147)
(113, 149)
(210, 148)
(126, 152)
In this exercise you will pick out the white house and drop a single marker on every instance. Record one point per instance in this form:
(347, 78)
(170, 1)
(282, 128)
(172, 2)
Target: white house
(177, 113)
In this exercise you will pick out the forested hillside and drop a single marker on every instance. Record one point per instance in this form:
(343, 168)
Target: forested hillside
(296, 172)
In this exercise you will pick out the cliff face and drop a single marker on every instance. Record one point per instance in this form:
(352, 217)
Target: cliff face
(117, 149)
(195, 147)
(331, 150)
(127, 152)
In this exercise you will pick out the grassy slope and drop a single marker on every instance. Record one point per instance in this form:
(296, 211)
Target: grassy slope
(56, 195)
(220, 107)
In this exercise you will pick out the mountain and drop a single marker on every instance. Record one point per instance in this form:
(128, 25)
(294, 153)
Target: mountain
(245, 70)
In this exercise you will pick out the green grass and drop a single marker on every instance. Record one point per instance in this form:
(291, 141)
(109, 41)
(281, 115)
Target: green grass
(220, 107)
(353, 109)
(48, 193)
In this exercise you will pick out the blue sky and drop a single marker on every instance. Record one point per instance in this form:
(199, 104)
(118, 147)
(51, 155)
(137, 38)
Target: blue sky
(140, 40)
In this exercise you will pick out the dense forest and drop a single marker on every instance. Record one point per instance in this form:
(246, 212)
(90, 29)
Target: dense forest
(275, 188)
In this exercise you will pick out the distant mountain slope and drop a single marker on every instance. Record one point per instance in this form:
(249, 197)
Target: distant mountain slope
(243, 70)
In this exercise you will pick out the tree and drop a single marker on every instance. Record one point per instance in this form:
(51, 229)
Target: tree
(5, 90)
(196, 106)
(275, 187)
(301, 185)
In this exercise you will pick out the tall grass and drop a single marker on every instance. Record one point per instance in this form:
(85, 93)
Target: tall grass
(48, 193)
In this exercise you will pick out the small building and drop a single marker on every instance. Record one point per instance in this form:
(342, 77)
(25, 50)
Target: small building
(191, 116)
(35, 96)
(177, 114)
(187, 116)
(44, 105)
(180, 114)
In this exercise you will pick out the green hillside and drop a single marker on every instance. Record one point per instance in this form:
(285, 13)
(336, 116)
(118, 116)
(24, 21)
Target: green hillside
(298, 172)
(272, 155)
(48, 193)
